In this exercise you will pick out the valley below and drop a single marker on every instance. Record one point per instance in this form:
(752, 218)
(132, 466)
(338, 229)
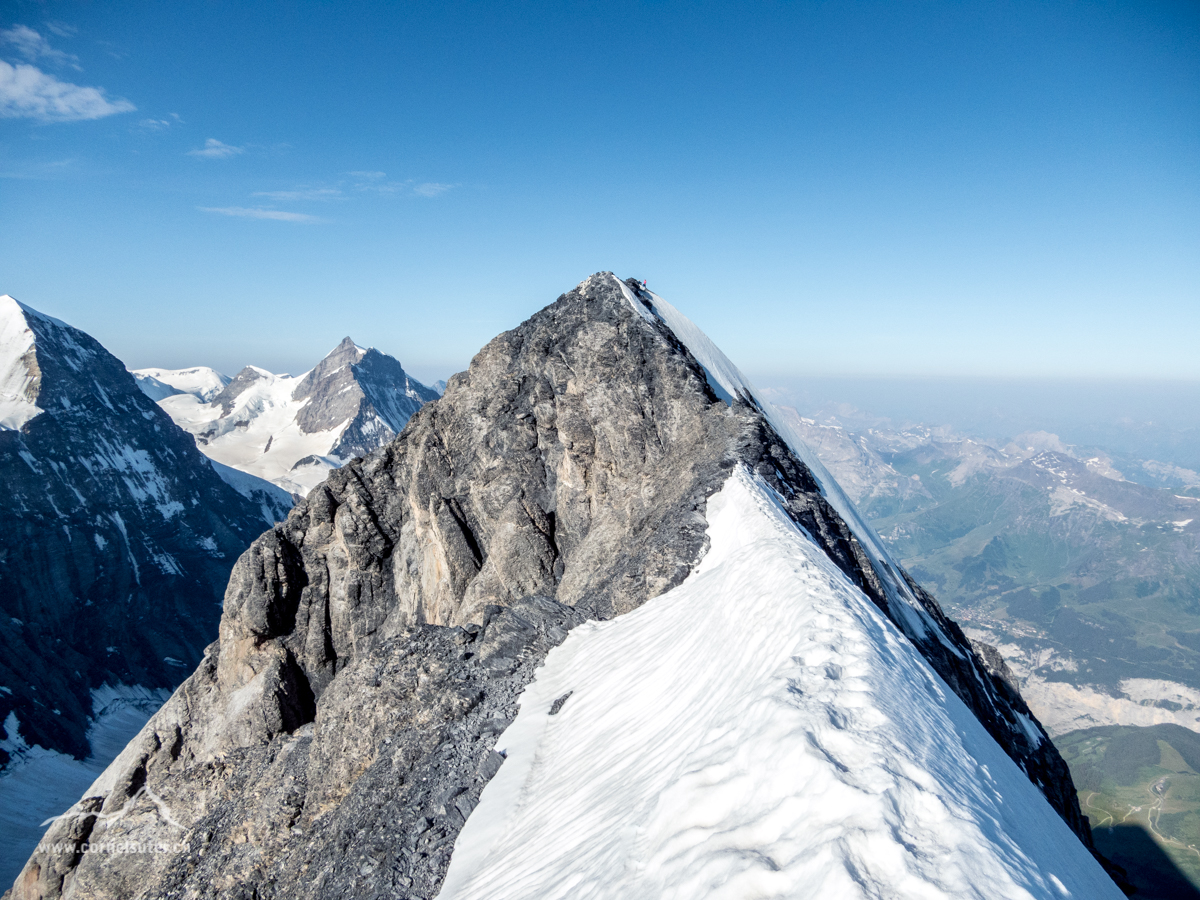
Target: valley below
(1083, 569)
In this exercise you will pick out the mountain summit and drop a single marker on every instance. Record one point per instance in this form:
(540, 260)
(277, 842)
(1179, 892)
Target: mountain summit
(594, 624)
(292, 430)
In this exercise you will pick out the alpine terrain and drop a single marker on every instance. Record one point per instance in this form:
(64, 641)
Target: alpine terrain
(595, 624)
(1086, 578)
(117, 540)
(291, 430)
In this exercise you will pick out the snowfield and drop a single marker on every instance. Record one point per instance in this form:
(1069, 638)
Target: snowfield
(201, 382)
(762, 730)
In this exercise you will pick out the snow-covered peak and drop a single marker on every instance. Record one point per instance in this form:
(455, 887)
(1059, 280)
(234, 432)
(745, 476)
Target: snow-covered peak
(201, 382)
(291, 430)
(19, 375)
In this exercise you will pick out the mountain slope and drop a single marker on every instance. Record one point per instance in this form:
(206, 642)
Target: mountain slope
(118, 539)
(375, 645)
(289, 430)
(658, 738)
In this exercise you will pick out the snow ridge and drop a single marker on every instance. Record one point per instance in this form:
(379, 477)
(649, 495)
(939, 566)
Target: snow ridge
(761, 730)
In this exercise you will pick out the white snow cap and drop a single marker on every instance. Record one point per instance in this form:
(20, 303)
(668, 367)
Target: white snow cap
(201, 382)
(762, 730)
(17, 379)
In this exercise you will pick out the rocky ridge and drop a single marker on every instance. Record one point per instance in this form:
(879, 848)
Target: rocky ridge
(372, 647)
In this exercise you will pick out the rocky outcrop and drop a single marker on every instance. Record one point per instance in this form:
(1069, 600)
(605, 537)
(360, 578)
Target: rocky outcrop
(372, 647)
(116, 543)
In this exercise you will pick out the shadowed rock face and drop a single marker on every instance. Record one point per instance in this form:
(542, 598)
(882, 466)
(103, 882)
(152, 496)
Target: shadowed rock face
(374, 645)
(116, 540)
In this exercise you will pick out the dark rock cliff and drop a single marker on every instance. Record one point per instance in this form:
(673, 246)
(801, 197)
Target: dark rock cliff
(374, 645)
(116, 543)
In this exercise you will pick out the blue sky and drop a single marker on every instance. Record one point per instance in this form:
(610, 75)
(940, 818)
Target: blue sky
(963, 189)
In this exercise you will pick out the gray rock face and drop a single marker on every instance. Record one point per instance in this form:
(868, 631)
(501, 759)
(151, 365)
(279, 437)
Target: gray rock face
(242, 380)
(365, 387)
(374, 645)
(116, 543)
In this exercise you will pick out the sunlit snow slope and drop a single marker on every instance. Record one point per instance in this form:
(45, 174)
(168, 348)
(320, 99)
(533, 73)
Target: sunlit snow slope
(762, 730)
(201, 382)
(257, 432)
(18, 369)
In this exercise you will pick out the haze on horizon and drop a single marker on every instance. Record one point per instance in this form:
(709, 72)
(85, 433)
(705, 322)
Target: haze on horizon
(973, 190)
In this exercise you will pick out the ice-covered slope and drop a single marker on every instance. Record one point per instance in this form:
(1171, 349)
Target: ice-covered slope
(18, 367)
(762, 730)
(291, 430)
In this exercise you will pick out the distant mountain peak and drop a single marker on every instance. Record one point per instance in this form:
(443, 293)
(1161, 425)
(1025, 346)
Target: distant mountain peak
(344, 354)
(293, 430)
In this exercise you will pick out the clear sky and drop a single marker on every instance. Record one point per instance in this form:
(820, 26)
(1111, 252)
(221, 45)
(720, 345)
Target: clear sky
(915, 188)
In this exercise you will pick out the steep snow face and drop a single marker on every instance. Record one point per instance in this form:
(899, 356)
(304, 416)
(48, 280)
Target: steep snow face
(761, 730)
(19, 374)
(291, 431)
